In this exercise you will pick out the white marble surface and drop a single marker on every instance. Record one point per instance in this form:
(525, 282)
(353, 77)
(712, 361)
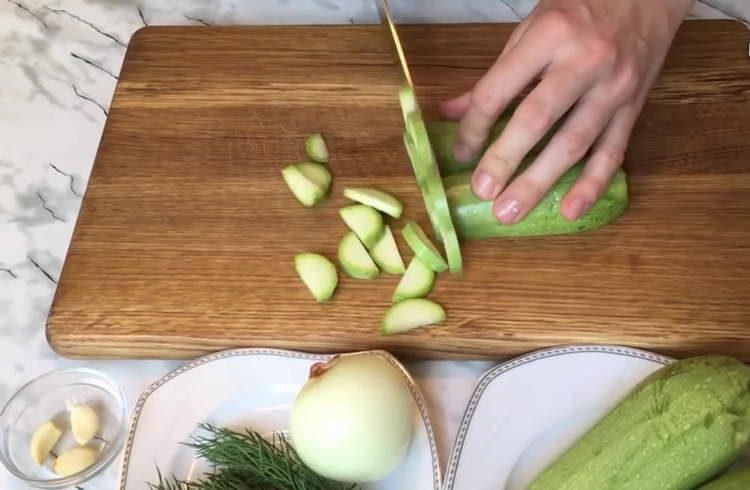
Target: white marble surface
(59, 61)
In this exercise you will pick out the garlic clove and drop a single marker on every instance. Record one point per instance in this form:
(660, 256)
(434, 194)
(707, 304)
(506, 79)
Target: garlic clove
(75, 460)
(43, 441)
(84, 422)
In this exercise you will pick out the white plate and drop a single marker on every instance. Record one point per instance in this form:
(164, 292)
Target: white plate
(251, 388)
(526, 412)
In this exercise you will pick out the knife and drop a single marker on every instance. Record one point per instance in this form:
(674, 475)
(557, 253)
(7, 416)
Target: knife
(386, 20)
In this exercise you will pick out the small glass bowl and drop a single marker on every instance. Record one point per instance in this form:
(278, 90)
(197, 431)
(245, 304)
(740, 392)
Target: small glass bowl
(50, 397)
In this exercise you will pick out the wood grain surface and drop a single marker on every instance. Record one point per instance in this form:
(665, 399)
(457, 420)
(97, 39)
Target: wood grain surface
(187, 233)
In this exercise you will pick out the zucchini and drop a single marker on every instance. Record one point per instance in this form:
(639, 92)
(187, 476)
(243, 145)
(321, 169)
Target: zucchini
(354, 258)
(474, 218)
(382, 201)
(680, 427)
(385, 253)
(423, 247)
(443, 138)
(416, 283)
(305, 190)
(410, 314)
(365, 222)
(316, 148)
(317, 173)
(318, 273)
(734, 480)
(417, 142)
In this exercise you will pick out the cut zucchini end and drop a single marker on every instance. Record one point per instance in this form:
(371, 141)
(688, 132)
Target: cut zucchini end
(354, 258)
(385, 253)
(382, 201)
(365, 222)
(316, 148)
(423, 247)
(317, 173)
(410, 314)
(416, 283)
(318, 274)
(304, 189)
(408, 101)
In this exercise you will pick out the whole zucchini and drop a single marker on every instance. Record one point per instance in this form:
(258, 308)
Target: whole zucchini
(473, 218)
(443, 137)
(681, 426)
(735, 480)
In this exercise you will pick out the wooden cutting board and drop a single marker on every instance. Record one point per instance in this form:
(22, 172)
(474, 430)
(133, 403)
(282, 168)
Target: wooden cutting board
(187, 234)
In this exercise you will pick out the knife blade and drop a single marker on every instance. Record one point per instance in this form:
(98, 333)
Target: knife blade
(386, 20)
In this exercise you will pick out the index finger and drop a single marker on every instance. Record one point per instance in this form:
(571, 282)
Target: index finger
(512, 72)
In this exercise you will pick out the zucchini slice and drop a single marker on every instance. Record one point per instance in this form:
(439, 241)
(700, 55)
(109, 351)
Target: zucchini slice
(366, 222)
(423, 247)
(385, 253)
(382, 201)
(305, 190)
(316, 148)
(354, 258)
(317, 173)
(318, 273)
(426, 171)
(416, 283)
(410, 314)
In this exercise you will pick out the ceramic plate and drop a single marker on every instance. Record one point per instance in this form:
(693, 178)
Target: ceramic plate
(526, 412)
(251, 388)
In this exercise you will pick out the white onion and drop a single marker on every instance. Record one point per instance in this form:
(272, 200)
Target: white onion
(353, 419)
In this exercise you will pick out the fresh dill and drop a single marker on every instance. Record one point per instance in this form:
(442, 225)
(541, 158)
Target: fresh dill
(247, 461)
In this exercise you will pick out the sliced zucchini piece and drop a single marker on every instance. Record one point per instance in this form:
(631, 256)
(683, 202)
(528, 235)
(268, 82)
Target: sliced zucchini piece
(354, 258)
(318, 273)
(305, 190)
(416, 283)
(366, 222)
(316, 148)
(382, 201)
(385, 253)
(318, 173)
(410, 314)
(423, 247)
(408, 102)
(426, 171)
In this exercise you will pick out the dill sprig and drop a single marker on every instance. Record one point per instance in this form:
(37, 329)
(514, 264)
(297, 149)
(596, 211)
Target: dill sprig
(247, 461)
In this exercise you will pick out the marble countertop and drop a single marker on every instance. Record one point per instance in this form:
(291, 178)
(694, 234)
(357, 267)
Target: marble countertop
(59, 62)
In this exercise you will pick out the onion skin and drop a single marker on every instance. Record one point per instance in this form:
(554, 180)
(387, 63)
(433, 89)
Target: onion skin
(353, 420)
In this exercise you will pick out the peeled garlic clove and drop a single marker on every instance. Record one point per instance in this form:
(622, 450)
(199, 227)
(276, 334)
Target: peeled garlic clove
(75, 460)
(84, 422)
(44, 439)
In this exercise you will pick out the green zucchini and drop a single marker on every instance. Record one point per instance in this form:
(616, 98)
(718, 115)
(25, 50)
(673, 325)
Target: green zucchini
(316, 148)
(354, 258)
(680, 427)
(385, 253)
(318, 274)
(422, 247)
(474, 218)
(417, 281)
(427, 173)
(365, 222)
(734, 480)
(410, 314)
(443, 138)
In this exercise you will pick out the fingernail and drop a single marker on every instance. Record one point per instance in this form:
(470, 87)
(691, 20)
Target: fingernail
(463, 153)
(507, 211)
(485, 186)
(578, 207)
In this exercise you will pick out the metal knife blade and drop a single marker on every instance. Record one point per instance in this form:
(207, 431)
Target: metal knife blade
(386, 20)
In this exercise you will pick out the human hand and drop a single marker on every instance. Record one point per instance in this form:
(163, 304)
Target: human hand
(595, 60)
